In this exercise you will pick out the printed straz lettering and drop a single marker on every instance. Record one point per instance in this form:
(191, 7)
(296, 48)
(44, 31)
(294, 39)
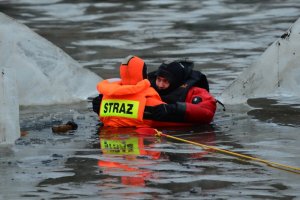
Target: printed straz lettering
(122, 147)
(120, 108)
(116, 107)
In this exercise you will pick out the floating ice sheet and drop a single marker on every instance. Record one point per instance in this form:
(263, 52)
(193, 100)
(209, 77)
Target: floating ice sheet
(276, 73)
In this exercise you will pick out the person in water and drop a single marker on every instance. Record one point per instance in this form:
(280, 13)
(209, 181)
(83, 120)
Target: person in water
(122, 102)
(186, 93)
(177, 84)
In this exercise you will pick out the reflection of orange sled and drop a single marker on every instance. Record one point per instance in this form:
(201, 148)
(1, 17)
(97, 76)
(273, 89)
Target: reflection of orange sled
(128, 144)
(138, 179)
(132, 144)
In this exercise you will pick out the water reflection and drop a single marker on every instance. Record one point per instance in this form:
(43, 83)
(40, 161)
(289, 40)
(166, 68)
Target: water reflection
(145, 166)
(127, 158)
(135, 152)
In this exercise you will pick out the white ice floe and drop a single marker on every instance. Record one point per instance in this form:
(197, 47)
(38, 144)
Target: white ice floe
(276, 73)
(45, 74)
(35, 72)
(9, 107)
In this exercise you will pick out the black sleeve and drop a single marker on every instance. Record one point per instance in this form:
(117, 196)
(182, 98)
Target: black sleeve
(166, 112)
(96, 103)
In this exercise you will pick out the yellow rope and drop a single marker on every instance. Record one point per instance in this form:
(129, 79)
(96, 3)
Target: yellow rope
(207, 147)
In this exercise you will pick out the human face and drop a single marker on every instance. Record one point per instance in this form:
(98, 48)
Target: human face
(162, 83)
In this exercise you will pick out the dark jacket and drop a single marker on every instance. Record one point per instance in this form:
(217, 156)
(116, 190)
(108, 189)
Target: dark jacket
(191, 102)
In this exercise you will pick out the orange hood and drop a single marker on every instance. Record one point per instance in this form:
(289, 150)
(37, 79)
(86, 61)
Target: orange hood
(131, 70)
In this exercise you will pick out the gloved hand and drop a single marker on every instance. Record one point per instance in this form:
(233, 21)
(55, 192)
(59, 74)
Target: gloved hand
(96, 103)
(168, 112)
(163, 111)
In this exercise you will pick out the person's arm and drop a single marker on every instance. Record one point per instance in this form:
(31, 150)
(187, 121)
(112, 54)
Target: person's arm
(199, 107)
(165, 112)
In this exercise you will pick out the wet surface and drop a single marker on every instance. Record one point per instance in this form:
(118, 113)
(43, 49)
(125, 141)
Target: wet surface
(222, 38)
(274, 111)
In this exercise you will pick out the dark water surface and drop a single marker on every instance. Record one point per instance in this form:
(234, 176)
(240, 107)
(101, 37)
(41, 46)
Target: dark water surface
(222, 37)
